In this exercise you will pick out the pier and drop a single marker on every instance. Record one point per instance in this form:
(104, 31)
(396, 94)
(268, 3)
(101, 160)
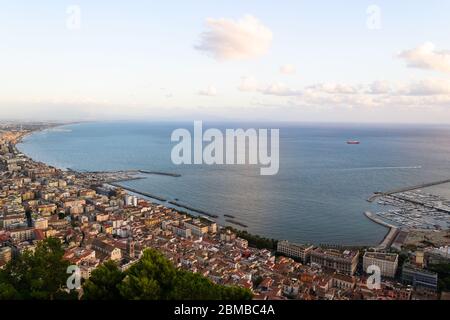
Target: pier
(175, 203)
(419, 186)
(146, 194)
(390, 236)
(175, 175)
(404, 189)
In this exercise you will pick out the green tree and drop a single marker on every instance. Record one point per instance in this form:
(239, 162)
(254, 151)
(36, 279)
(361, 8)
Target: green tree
(155, 278)
(443, 271)
(35, 275)
(193, 286)
(103, 283)
(152, 278)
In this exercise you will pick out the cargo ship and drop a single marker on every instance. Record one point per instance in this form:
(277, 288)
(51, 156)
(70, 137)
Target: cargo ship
(353, 142)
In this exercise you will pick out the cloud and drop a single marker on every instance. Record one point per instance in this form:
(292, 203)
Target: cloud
(428, 87)
(228, 39)
(279, 89)
(288, 69)
(426, 56)
(211, 91)
(423, 93)
(248, 84)
(334, 88)
(380, 87)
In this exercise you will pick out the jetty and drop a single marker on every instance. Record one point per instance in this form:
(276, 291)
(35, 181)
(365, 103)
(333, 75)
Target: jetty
(390, 236)
(175, 203)
(236, 223)
(170, 174)
(146, 194)
(404, 189)
(419, 186)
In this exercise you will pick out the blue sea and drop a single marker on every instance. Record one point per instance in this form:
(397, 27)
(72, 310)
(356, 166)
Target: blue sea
(318, 196)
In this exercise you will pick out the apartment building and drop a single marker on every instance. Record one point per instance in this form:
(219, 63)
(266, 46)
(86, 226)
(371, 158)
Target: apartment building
(387, 262)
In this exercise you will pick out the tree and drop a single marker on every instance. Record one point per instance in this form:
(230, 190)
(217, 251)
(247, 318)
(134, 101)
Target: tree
(103, 283)
(193, 286)
(35, 275)
(155, 278)
(152, 278)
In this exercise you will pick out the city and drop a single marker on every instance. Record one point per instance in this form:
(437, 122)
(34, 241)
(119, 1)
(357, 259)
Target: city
(97, 222)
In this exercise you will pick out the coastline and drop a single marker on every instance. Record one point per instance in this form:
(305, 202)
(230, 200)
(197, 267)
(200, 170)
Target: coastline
(161, 200)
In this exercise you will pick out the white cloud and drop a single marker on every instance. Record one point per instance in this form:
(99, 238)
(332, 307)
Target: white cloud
(428, 87)
(380, 87)
(334, 88)
(423, 93)
(228, 39)
(426, 56)
(279, 89)
(248, 84)
(288, 69)
(211, 91)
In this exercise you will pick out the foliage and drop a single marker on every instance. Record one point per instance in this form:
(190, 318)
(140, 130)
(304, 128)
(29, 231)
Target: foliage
(42, 275)
(102, 285)
(35, 275)
(255, 240)
(154, 277)
(443, 271)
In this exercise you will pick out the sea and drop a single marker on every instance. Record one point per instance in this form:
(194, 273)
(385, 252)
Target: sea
(318, 196)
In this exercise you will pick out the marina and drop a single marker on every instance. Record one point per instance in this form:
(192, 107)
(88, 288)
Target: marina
(416, 210)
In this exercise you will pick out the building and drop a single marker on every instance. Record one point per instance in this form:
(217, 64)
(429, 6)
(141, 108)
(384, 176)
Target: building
(419, 278)
(387, 262)
(344, 262)
(13, 219)
(344, 282)
(437, 255)
(227, 236)
(182, 231)
(241, 243)
(108, 250)
(41, 223)
(22, 234)
(302, 252)
(131, 201)
(198, 228)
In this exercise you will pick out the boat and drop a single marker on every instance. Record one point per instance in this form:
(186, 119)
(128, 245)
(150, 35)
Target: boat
(353, 142)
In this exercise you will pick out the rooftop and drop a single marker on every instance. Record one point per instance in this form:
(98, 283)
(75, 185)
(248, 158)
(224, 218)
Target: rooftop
(392, 257)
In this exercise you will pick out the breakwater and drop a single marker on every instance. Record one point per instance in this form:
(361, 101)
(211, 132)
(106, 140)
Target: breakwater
(175, 203)
(146, 194)
(390, 236)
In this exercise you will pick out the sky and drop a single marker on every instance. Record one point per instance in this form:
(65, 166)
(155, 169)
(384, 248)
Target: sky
(306, 61)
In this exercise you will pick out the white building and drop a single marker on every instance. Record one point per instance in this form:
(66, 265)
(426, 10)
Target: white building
(293, 250)
(387, 262)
